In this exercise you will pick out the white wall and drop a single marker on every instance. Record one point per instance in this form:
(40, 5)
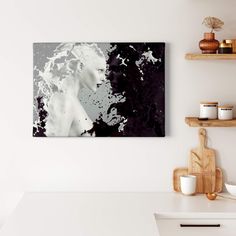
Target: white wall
(83, 164)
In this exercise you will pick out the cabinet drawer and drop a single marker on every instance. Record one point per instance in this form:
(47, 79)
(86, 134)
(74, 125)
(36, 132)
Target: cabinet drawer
(196, 227)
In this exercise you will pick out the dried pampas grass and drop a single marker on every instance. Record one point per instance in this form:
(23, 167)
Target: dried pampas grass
(213, 23)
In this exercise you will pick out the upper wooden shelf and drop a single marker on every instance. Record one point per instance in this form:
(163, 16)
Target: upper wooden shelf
(194, 122)
(196, 56)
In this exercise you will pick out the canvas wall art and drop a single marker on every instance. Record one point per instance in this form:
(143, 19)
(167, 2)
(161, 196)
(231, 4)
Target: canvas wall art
(99, 89)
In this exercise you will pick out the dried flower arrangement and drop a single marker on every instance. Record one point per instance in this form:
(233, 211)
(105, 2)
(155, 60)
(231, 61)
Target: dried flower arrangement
(213, 23)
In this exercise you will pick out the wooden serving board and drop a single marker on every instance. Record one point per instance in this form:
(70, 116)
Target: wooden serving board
(184, 171)
(176, 177)
(202, 164)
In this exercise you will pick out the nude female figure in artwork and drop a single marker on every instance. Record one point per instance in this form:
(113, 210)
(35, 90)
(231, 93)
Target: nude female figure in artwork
(84, 65)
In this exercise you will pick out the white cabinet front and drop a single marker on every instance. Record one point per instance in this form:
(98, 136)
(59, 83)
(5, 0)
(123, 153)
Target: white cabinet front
(196, 227)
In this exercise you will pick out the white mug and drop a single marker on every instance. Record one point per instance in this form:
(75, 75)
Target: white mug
(188, 184)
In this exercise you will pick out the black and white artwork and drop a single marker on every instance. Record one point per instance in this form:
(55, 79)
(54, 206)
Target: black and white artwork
(99, 90)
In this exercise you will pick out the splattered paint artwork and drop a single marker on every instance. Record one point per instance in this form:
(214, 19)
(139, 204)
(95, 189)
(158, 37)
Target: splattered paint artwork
(99, 89)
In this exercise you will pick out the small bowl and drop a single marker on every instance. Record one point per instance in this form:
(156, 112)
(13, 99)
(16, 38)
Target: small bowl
(231, 188)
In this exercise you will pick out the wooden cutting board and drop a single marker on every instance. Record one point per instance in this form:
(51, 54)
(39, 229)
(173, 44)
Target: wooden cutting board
(184, 171)
(202, 164)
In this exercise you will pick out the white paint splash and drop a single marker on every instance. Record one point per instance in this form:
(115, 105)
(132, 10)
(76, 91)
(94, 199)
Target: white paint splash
(149, 57)
(146, 56)
(122, 60)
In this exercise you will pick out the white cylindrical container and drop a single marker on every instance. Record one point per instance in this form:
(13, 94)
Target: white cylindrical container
(225, 112)
(208, 110)
(188, 184)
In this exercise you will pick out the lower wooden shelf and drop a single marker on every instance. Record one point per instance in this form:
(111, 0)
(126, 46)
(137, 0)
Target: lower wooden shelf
(195, 122)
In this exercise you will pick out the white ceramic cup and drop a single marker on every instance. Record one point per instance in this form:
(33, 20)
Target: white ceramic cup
(188, 184)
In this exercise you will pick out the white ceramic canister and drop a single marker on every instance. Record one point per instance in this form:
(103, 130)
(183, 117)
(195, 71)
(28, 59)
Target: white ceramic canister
(208, 110)
(225, 112)
(188, 184)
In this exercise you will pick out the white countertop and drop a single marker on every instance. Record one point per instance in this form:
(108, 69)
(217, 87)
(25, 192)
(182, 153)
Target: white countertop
(107, 214)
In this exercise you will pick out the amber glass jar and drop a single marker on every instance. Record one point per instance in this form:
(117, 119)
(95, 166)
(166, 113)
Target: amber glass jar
(233, 42)
(209, 44)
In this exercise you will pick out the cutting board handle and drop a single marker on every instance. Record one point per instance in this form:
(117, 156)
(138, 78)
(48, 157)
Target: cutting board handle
(202, 137)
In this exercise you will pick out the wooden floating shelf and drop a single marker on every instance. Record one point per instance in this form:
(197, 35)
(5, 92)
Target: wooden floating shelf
(194, 122)
(196, 56)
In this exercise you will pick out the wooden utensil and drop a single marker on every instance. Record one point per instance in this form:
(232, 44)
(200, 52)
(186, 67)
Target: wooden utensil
(219, 181)
(184, 171)
(202, 164)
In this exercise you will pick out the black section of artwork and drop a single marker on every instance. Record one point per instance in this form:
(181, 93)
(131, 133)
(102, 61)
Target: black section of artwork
(39, 129)
(142, 83)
